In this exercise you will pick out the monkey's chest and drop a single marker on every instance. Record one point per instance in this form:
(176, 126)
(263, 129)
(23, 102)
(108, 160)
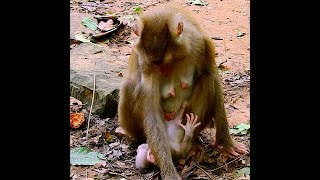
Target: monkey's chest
(174, 92)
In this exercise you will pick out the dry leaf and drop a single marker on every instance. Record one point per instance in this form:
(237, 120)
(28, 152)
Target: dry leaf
(112, 145)
(124, 146)
(91, 173)
(120, 130)
(76, 119)
(182, 161)
(120, 164)
(106, 26)
(75, 104)
(223, 67)
(108, 136)
(99, 165)
(102, 171)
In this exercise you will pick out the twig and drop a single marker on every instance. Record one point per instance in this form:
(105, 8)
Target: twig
(228, 163)
(78, 104)
(115, 173)
(154, 175)
(94, 90)
(204, 171)
(217, 38)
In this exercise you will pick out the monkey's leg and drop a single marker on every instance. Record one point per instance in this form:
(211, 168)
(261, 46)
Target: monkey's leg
(207, 102)
(223, 136)
(129, 120)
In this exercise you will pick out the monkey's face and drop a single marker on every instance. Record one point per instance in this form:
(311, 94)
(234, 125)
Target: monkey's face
(154, 47)
(154, 40)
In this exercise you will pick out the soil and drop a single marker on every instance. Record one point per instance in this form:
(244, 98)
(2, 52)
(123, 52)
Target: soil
(228, 23)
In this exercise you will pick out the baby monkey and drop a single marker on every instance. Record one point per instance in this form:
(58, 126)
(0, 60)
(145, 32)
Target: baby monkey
(179, 138)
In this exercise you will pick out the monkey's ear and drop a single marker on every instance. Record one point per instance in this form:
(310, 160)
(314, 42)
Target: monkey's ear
(178, 24)
(135, 29)
(180, 28)
(137, 26)
(150, 157)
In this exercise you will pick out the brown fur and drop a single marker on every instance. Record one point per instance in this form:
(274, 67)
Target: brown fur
(140, 100)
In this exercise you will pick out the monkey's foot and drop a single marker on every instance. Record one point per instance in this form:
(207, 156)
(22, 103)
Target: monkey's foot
(235, 151)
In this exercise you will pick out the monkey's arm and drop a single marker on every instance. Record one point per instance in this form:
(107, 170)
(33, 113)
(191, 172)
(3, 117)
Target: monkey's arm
(155, 130)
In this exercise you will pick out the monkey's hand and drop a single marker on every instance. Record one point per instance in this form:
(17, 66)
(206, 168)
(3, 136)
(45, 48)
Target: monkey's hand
(190, 125)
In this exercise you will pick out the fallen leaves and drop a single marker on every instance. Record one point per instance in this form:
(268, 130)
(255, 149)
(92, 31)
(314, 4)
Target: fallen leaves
(100, 26)
(106, 25)
(83, 156)
(76, 117)
(239, 79)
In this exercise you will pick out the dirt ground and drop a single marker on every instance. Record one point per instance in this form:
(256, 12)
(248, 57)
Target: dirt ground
(228, 23)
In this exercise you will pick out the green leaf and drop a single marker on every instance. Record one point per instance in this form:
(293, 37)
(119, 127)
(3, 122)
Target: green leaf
(137, 10)
(198, 2)
(234, 131)
(244, 171)
(243, 126)
(240, 129)
(83, 156)
(89, 23)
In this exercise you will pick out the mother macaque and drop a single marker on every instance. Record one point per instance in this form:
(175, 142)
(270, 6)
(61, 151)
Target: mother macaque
(172, 62)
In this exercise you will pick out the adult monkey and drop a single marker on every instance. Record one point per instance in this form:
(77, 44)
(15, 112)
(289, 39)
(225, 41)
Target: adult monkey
(172, 62)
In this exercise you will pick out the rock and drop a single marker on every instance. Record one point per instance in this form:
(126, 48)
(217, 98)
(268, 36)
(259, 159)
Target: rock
(82, 66)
